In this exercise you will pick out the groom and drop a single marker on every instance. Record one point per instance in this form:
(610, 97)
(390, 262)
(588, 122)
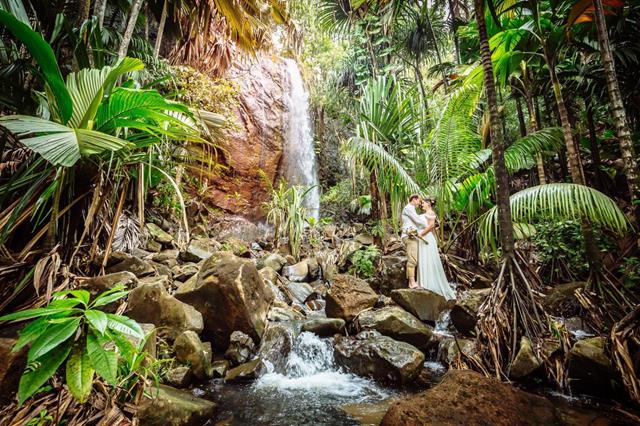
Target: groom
(413, 227)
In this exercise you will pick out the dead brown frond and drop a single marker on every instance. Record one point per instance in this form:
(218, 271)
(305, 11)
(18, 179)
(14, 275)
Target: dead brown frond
(625, 346)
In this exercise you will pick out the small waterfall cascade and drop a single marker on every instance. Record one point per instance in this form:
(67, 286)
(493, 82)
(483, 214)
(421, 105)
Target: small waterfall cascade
(310, 368)
(299, 157)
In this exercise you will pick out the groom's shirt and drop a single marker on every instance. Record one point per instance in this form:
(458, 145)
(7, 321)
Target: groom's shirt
(411, 220)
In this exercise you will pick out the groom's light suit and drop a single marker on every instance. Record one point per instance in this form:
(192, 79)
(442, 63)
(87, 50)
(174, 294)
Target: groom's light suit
(411, 220)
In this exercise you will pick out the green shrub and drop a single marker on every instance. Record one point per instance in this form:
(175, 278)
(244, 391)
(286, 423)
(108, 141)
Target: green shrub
(363, 262)
(74, 329)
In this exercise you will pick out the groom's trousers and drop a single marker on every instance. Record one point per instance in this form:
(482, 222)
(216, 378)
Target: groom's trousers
(412, 256)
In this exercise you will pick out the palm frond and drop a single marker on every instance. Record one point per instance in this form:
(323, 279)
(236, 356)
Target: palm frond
(555, 202)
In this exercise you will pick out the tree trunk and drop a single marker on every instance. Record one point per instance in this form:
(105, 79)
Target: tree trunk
(593, 144)
(454, 30)
(376, 212)
(533, 126)
(423, 91)
(99, 9)
(618, 113)
(161, 24)
(128, 32)
(497, 138)
(83, 13)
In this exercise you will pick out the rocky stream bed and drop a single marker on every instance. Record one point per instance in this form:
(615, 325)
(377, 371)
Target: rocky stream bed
(253, 337)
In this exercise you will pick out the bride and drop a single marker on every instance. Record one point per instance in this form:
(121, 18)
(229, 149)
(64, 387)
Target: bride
(430, 271)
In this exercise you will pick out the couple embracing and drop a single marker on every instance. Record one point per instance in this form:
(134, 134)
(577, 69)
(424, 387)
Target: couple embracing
(423, 256)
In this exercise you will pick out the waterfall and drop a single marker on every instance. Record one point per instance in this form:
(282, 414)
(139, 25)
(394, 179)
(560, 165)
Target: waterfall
(299, 157)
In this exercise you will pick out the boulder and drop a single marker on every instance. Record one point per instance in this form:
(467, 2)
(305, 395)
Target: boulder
(396, 323)
(463, 313)
(153, 246)
(184, 272)
(348, 296)
(282, 314)
(163, 280)
(526, 360)
(241, 348)
(300, 291)
(465, 397)
(199, 249)
(394, 274)
(151, 303)
(561, 300)
(274, 261)
(158, 234)
(190, 350)
(231, 296)
(247, 371)
(424, 304)
(167, 257)
(12, 365)
(450, 348)
(238, 228)
(379, 357)
(97, 285)
(179, 376)
(277, 343)
(296, 273)
(167, 406)
(590, 367)
(137, 266)
(220, 368)
(324, 327)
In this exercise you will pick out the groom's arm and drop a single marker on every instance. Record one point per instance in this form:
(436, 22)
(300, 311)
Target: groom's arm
(417, 220)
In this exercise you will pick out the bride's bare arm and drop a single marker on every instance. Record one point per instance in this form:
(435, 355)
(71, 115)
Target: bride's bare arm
(431, 222)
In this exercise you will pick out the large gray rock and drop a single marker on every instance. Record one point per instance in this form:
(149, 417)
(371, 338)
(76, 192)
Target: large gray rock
(590, 367)
(424, 304)
(231, 296)
(179, 376)
(151, 303)
(464, 312)
(398, 324)
(277, 343)
(284, 313)
(137, 266)
(526, 360)
(167, 257)
(324, 327)
(465, 397)
(379, 357)
(199, 249)
(562, 301)
(394, 274)
(184, 272)
(450, 348)
(190, 350)
(275, 261)
(158, 234)
(241, 348)
(348, 296)
(97, 285)
(300, 291)
(247, 371)
(167, 406)
(298, 272)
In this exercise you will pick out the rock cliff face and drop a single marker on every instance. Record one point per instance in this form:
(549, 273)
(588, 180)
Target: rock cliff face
(255, 145)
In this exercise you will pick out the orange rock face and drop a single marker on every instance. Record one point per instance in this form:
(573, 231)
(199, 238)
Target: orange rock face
(252, 151)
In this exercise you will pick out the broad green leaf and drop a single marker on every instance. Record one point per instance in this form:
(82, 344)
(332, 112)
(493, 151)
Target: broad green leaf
(97, 319)
(124, 325)
(88, 87)
(56, 334)
(33, 379)
(43, 54)
(82, 295)
(114, 289)
(105, 362)
(17, 9)
(30, 333)
(58, 144)
(79, 374)
(105, 300)
(32, 313)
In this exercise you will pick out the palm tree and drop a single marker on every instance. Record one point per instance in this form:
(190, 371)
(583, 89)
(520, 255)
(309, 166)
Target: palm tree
(618, 113)
(131, 24)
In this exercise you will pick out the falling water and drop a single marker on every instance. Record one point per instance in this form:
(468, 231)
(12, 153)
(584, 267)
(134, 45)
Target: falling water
(300, 167)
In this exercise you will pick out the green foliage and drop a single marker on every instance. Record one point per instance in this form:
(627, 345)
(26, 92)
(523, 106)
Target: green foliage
(630, 270)
(72, 328)
(560, 245)
(363, 261)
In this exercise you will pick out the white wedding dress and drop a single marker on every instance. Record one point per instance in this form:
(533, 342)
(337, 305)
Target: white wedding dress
(431, 274)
